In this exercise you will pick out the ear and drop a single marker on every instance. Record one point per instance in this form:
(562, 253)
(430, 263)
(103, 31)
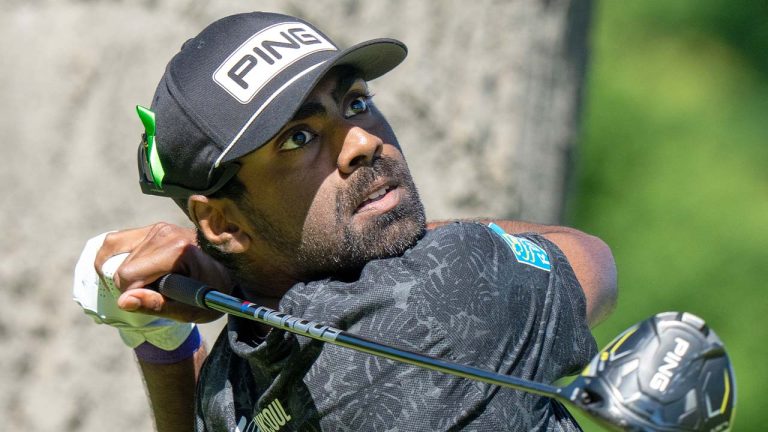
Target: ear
(220, 221)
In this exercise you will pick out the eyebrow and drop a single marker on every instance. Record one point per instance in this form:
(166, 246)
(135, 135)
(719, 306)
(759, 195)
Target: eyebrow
(309, 109)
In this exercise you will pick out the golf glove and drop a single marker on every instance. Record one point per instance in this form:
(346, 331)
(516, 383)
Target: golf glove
(98, 298)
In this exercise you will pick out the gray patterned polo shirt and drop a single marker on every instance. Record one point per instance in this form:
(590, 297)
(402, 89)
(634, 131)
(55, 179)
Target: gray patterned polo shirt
(464, 293)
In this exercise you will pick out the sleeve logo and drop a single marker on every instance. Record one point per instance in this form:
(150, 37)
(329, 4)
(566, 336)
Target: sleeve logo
(525, 251)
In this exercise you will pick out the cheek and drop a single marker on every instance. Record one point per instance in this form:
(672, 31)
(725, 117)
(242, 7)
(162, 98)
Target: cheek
(321, 211)
(302, 197)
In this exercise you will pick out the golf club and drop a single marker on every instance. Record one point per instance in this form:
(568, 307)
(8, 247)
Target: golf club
(669, 372)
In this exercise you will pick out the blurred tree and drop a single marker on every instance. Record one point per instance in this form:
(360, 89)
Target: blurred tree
(672, 169)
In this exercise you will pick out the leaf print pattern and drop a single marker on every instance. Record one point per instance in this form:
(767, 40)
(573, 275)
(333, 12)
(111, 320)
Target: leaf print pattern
(459, 295)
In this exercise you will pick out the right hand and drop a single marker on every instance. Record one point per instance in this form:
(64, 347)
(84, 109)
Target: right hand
(154, 251)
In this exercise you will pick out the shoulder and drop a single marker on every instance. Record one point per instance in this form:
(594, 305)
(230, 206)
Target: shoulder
(461, 240)
(458, 238)
(464, 228)
(467, 263)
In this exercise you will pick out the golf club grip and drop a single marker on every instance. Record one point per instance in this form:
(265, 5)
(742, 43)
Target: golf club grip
(183, 289)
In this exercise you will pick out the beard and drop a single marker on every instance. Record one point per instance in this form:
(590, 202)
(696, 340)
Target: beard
(340, 249)
(331, 246)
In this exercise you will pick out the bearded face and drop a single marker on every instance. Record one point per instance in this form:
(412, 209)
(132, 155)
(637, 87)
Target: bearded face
(331, 191)
(377, 215)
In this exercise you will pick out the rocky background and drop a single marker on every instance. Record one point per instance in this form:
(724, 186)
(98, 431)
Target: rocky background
(485, 108)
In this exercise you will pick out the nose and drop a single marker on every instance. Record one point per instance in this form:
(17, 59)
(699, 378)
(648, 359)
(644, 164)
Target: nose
(359, 148)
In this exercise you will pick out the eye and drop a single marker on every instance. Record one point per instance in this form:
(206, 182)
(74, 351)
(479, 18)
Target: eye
(297, 139)
(358, 105)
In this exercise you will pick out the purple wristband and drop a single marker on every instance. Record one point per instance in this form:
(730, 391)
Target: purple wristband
(148, 353)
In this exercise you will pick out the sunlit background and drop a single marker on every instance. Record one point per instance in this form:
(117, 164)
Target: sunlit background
(672, 171)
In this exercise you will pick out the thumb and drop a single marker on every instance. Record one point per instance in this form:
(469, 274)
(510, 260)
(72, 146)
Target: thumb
(141, 300)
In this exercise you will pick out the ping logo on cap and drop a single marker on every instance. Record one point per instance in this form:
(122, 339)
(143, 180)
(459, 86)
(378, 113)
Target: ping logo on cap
(254, 63)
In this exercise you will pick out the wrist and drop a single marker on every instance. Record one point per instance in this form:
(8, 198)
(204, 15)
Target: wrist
(149, 353)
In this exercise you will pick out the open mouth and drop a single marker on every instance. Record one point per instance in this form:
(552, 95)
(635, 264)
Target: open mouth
(378, 200)
(377, 195)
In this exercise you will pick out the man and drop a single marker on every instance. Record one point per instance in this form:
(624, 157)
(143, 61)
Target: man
(266, 135)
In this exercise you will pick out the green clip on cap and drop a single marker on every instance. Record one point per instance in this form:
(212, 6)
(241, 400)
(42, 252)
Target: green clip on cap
(214, 107)
(153, 159)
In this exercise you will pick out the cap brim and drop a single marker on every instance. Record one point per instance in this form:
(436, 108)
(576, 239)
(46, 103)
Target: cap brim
(372, 59)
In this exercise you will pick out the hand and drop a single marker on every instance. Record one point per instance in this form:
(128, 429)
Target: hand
(154, 251)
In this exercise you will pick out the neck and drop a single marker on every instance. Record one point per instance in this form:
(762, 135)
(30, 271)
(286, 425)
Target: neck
(264, 281)
(264, 291)
(264, 288)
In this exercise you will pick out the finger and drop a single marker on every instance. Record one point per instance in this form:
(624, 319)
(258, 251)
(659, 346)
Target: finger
(154, 251)
(151, 302)
(146, 264)
(142, 300)
(202, 267)
(171, 249)
(119, 242)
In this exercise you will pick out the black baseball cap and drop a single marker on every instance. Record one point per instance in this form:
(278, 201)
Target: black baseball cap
(231, 88)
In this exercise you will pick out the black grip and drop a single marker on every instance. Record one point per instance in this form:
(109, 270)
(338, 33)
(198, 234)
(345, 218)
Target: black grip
(183, 289)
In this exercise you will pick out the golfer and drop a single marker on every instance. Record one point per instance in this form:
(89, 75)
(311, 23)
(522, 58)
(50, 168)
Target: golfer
(265, 134)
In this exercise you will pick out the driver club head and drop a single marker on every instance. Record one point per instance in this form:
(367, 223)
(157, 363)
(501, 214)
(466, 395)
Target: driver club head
(667, 373)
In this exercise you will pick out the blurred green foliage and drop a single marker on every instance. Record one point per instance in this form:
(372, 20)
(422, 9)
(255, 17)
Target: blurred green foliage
(672, 171)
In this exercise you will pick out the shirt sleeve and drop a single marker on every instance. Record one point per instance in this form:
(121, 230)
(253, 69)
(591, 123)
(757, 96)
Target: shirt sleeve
(567, 344)
(508, 303)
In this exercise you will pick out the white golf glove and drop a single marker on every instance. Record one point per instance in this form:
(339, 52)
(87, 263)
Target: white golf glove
(99, 301)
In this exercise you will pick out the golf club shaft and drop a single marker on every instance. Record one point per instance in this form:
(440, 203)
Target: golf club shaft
(196, 293)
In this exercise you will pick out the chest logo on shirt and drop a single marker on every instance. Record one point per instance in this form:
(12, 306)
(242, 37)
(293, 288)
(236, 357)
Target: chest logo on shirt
(525, 251)
(270, 419)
